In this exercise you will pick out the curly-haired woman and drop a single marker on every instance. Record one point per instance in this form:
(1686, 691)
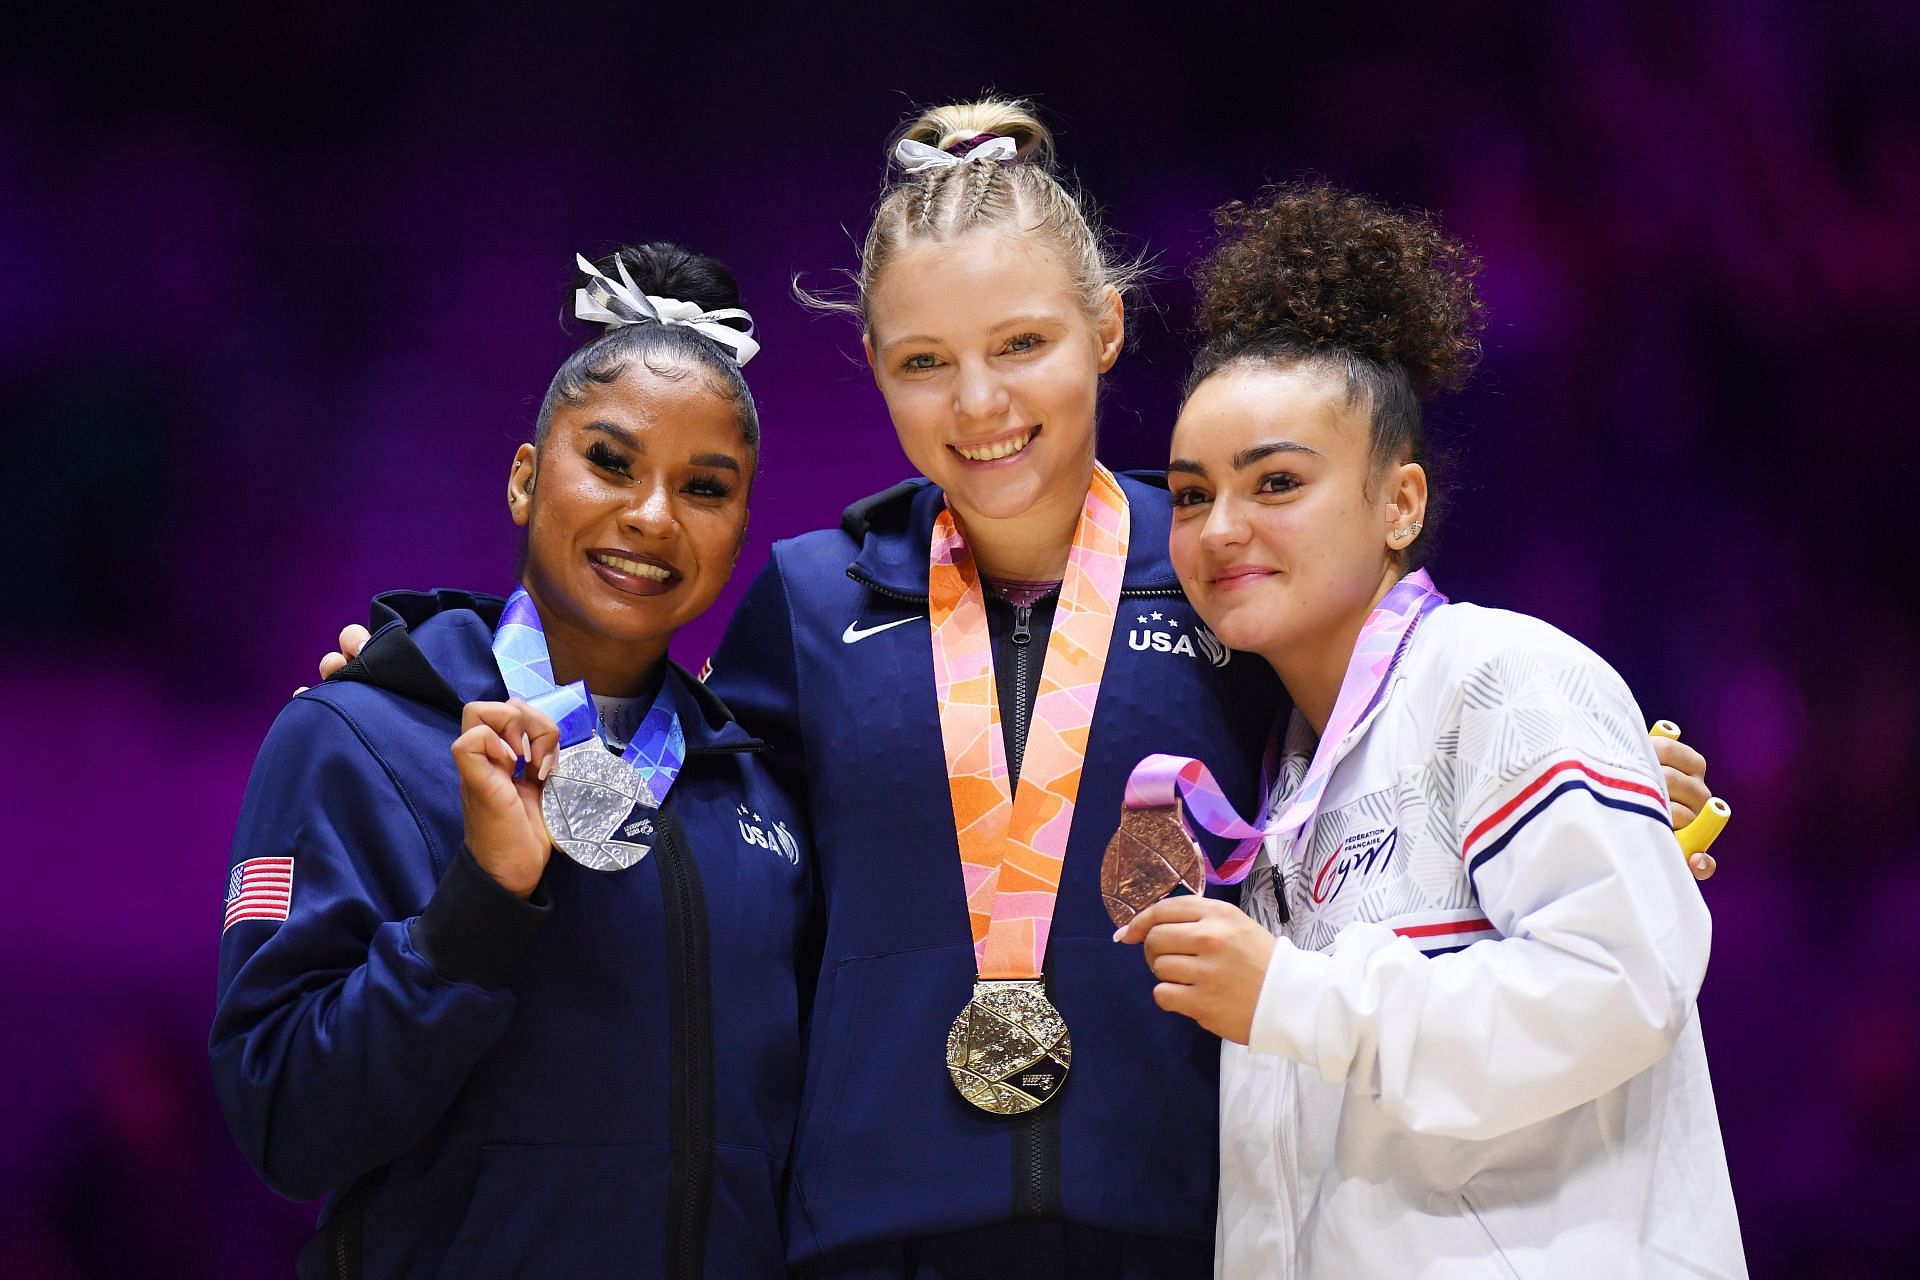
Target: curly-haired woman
(1458, 992)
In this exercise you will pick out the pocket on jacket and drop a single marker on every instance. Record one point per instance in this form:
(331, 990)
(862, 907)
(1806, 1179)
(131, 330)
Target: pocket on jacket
(881, 1122)
(564, 1210)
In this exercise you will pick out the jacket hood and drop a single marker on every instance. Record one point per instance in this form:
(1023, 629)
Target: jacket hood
(894, 531)
(436, 648)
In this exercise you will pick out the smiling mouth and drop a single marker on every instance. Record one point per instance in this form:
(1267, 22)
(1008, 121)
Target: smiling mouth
(994, 450)
(643, 574)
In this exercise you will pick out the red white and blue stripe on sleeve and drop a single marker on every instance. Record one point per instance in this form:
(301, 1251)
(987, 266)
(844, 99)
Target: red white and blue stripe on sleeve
(1550, 783)
(1437, 933)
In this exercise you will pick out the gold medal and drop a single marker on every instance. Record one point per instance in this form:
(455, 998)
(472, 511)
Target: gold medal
(1008, 1051)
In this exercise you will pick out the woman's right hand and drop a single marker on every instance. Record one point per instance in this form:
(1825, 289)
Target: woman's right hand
(351, 638)
(506, 832)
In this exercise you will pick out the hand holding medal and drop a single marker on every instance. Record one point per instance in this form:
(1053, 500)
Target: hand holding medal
(1154, 856)
(599, 808)
(1210, 959)
(499, 799)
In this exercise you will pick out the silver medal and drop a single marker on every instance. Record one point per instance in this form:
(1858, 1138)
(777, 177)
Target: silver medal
(598, 808)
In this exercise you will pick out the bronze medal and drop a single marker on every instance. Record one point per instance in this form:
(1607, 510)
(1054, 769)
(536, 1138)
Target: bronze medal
(1008, 1051)
(1151, 856)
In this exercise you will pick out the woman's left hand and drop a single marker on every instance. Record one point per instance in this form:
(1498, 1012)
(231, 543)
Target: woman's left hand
(1210, 958)
(1687, 793)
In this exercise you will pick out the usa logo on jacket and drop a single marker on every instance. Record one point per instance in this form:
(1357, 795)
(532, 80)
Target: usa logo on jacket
(1156, 631)
(774, 837)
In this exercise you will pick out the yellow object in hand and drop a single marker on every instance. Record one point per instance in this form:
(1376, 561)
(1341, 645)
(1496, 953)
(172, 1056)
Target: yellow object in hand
(1697, 836)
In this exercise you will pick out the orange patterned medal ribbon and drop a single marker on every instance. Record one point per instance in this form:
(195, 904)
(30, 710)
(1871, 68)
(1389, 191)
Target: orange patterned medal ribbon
(1012, 847)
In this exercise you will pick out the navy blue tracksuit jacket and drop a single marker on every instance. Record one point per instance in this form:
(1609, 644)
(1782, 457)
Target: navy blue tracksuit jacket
(600, 1082)
(887, 1150)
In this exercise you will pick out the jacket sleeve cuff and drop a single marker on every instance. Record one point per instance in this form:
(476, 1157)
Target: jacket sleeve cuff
(473, 929)
(1291, 997)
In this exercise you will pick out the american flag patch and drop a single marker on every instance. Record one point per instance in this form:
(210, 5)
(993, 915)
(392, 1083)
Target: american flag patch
(259, 889)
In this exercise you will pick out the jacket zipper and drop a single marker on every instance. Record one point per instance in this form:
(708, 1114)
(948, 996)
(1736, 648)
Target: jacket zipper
(343, 1232)
(1022, 641)
(690, 1019)
(1288, 1115)
(1036, 1136)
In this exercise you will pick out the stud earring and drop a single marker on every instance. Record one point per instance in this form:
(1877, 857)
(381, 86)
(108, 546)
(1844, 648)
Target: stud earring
(1407, 532)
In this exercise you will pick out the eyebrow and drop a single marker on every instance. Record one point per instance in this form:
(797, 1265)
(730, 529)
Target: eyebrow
(725, 461)
(624, 436)
(1035, 318)
(1029, 318)
(1247, 457)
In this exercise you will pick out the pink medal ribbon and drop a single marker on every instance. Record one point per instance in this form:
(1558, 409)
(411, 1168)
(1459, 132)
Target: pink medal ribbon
(1169, 783)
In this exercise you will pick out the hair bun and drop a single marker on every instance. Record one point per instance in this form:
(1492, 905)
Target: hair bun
(667, 270)
(1311, 267)
(961, 126)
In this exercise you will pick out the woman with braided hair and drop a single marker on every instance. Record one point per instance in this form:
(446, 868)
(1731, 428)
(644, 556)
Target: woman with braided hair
(957, 678)
(1458, 990)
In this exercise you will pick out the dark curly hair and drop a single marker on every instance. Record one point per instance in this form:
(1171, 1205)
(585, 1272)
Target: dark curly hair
(1308, 273)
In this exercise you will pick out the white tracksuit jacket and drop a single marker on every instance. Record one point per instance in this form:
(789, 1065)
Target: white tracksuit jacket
(1475, 1052)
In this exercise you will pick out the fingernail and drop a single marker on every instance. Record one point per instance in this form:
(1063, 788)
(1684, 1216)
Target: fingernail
(1699, 862)
(546, 767)
(1117, 932)
(526, 746)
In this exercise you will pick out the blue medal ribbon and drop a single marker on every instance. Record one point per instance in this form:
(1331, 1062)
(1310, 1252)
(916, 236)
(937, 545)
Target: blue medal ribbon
(659, 746)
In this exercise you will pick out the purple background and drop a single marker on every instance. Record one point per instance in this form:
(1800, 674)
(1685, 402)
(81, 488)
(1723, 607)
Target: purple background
(279, 295)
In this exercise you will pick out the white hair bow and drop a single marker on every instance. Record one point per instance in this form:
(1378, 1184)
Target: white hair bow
(915, 157)
(590, 303)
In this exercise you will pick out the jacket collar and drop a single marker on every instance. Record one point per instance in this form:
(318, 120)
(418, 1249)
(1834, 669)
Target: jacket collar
(894, 530)
(436, 647)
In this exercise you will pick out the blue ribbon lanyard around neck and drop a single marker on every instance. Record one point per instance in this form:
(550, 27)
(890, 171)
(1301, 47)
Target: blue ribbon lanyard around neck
(659, 746)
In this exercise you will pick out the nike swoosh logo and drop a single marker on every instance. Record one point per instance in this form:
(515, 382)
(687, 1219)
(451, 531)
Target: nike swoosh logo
(853, 634)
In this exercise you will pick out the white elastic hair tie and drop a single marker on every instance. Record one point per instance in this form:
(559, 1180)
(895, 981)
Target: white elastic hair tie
(915, 157)
(590, 304)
